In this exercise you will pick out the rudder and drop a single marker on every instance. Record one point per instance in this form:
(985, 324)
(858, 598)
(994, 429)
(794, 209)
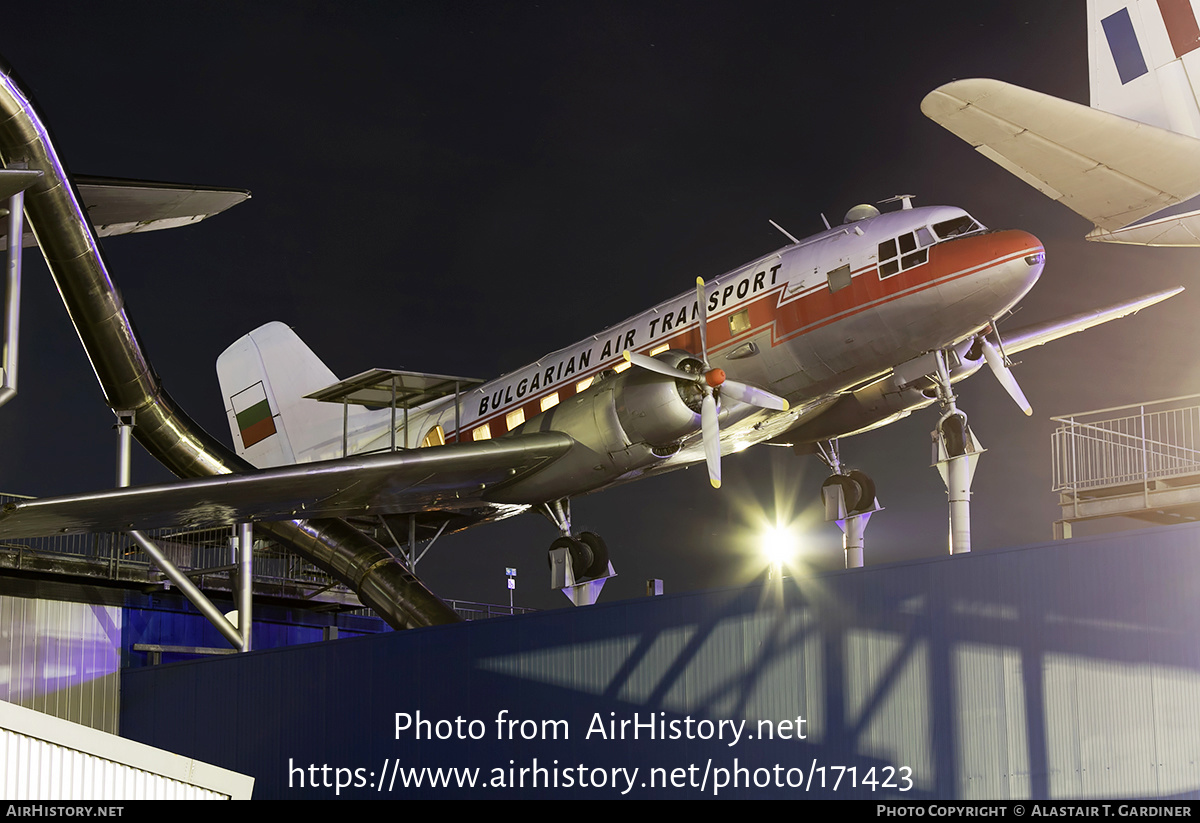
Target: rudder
(1142, 58)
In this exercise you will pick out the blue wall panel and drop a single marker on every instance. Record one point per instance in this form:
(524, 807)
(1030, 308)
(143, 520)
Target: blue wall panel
(1064, 670)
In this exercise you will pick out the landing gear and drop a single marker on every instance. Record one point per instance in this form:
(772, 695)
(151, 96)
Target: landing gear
(849, 498)
(588, 553)
(955, 454)
(579, 564)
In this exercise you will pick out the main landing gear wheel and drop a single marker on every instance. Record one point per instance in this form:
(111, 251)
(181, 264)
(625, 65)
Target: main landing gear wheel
(599, 551)
(579, 565)
(867, 487)
(581, 553)
(589, 554)
(858, 490)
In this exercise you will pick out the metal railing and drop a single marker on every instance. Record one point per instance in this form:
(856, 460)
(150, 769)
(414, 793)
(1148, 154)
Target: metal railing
(114, 555)
(206, 555)
(468, 610)
(1149, 441)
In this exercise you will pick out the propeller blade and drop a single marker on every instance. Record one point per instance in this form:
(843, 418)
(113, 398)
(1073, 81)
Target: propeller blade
(657, 366)
(712, 438)
(1004, 374)
(702, 301)
(755, 397)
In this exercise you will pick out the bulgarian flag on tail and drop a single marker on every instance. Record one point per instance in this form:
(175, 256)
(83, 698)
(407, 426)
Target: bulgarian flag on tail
(253, 414)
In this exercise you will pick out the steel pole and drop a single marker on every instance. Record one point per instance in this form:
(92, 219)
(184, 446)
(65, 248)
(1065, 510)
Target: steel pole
(189, 589)
(12, 298)
(245, 581)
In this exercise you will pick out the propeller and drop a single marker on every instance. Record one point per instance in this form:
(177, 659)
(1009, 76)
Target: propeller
(996, 362)
(711, 381)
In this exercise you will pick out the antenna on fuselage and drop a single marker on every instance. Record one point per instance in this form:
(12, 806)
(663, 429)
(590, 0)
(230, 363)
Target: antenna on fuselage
(788, 234)
(905, 200)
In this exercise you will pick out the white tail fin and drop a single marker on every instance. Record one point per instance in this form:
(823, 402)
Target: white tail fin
(1131, 162)
(1144, 61)
(264, 378)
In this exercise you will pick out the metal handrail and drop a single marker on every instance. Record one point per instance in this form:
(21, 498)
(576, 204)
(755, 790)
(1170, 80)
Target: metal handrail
(1150, 445)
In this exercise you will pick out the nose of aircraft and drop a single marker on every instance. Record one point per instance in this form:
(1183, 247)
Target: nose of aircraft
(1022, 258)
(1006, 264)
(996, 270)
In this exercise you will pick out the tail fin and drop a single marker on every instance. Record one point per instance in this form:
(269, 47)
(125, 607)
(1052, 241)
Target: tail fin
(264, 378)
(1143, 61)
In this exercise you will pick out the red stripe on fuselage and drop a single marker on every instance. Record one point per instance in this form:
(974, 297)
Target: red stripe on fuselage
(814, 307)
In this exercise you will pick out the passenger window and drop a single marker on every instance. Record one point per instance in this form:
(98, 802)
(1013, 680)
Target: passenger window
(435, 437)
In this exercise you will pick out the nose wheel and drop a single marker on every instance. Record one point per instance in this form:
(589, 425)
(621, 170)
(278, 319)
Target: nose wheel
(955, 454)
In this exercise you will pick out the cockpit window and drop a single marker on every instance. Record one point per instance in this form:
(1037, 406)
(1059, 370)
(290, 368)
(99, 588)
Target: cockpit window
(956, 227)
(903, 252)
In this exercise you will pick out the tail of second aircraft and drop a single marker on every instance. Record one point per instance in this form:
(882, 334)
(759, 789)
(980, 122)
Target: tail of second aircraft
(1142, 59)
(264, 378)
(1131, 162)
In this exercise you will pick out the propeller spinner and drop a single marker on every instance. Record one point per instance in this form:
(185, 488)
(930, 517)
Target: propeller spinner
(711, 382)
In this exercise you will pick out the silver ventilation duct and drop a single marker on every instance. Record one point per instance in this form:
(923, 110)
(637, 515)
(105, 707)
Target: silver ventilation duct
(76, 262)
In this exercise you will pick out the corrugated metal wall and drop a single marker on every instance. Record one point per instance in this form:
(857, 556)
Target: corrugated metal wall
(1064, 670)
(46, 758)
(62, 659)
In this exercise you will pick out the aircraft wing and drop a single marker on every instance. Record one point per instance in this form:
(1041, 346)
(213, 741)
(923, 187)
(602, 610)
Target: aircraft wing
(118, 206)
(455, 476)
(1039, 334)
(1109, 169)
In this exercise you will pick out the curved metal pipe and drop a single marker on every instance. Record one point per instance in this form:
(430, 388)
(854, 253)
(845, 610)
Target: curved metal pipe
(97, 310)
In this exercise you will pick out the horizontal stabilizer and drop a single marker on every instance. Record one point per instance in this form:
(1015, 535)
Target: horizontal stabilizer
(1041, 333)
(458, 476)
(1111, 170)
(118, 206)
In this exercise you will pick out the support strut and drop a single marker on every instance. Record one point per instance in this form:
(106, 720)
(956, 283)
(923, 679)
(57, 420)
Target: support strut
(955, 454)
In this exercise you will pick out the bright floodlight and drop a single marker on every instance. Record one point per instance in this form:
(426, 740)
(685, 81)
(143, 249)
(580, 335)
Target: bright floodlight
(778, 545)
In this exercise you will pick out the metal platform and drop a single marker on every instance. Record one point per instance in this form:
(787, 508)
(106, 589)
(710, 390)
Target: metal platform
(1140, 461)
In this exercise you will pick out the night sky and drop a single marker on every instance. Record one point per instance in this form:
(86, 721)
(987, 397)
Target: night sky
(460, 188)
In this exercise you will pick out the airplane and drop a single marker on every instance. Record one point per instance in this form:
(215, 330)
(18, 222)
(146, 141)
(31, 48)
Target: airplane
(1130, 163)
(824, 337)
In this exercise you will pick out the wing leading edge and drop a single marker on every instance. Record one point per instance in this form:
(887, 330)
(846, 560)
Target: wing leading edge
(1111, 170)
(457, 476)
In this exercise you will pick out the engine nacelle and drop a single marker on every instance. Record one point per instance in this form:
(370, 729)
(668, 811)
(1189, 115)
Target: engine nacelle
(657, 410)
(622, 423)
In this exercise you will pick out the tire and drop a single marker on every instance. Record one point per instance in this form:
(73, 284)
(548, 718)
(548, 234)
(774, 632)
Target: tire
(954, 431)
(581, 554)
(867, 488)
(599, 550)
(851, 491)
